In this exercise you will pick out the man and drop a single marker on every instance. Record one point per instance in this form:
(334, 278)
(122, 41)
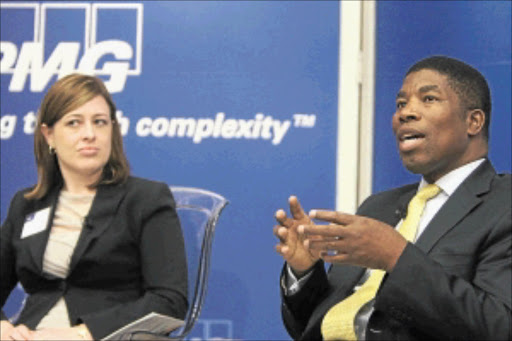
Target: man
(441, 269)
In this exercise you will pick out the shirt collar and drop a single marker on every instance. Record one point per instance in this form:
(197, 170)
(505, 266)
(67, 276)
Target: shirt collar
(449, 182)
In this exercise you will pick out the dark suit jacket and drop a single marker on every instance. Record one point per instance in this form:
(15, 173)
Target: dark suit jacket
(453, 283)
(129, 259)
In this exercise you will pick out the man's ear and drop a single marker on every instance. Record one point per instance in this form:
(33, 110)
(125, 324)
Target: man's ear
(48, 134)
(476, 120)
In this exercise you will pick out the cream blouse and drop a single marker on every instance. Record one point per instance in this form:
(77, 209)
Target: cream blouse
(67, 225)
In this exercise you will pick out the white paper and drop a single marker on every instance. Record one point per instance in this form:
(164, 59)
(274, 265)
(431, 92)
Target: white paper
(35, 222)
(152, 322)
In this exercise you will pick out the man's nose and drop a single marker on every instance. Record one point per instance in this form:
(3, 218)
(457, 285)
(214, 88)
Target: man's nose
(409, 112)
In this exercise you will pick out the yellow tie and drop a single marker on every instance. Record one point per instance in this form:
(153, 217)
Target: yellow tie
(338, 323)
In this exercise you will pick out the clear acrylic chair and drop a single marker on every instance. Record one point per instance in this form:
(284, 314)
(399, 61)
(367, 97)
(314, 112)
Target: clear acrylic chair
(199, 211)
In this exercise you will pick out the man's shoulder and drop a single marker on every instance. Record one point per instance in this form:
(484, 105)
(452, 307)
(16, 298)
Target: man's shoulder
(500, 189)
(394, 193)
(388, 205)
(503, 180)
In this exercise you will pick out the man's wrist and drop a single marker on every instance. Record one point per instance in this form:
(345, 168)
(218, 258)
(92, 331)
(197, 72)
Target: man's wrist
(395, 256)
(300, 273)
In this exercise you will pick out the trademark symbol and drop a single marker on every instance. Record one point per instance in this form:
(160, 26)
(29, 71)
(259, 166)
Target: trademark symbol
(304, 120)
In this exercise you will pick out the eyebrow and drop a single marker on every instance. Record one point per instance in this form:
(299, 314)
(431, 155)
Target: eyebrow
(422, 90)
(81, 115)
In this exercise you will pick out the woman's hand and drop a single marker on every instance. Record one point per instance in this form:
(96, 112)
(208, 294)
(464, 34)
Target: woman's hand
(74, 333)
(10, 332)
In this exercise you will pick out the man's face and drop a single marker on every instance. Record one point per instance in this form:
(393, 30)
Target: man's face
(430, 125)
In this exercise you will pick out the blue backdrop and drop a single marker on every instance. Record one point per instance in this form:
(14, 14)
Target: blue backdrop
(236, 97)
(239, 98)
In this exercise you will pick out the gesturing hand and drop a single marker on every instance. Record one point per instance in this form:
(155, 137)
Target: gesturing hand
(352, 239)
(291, 244)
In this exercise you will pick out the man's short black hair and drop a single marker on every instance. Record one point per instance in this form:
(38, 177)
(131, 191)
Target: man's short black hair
(467, 82)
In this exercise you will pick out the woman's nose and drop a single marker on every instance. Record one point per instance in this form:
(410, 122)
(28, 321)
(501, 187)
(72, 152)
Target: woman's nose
(88, 131)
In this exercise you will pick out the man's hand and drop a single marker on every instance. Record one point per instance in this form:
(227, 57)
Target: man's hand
(352, 239)
(291, 244)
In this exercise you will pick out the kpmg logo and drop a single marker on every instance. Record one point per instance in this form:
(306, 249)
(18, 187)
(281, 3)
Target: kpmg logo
(43, 40)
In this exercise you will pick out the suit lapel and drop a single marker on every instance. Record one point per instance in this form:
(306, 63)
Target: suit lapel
(38, 241)
(101, 214)
(460, 203)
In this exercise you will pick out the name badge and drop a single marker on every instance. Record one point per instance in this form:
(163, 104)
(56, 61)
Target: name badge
(35, 222)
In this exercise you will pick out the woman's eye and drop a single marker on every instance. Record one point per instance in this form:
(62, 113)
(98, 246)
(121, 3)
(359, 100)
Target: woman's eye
(100, 122)
(73, 123)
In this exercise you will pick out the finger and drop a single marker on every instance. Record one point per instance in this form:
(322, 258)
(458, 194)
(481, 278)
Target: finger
(325, 245)
(26, 333)
(280, 216)
(281, 233)
(284, 220)
(23, 332)
(17, 335)
(332, 216)
(335, 257)
(322, 230)
(295, 208)
(279, 248)
(283, 250)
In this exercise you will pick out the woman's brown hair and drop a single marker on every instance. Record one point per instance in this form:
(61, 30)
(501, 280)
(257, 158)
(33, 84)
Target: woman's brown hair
(67, 94)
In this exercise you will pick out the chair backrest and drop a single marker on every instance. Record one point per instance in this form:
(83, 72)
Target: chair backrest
(198, 210)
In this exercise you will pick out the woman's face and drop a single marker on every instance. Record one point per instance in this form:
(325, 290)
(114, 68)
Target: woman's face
(82, 139)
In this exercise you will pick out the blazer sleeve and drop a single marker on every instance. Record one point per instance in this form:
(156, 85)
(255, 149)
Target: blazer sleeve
(7, 257)
(163, 266)
(296, 309)
(423, 293)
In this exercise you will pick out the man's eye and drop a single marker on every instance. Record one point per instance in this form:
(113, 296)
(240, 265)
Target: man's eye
(429, 99)
(400, 105)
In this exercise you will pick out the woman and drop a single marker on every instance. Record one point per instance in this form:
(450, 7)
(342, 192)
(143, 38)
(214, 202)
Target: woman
(93, 247)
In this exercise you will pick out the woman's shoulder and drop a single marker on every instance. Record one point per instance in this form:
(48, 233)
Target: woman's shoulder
(143, 186)
(20, 205)
(135, 181)
(19, 198)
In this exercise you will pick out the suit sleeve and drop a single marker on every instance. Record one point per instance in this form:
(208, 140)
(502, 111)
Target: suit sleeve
(296, 309)
(163, 266)
(7, 256)
(421, 292)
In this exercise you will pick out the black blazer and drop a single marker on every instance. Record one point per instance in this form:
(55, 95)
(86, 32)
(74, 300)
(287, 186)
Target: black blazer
(453, 283)
(129, 259)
